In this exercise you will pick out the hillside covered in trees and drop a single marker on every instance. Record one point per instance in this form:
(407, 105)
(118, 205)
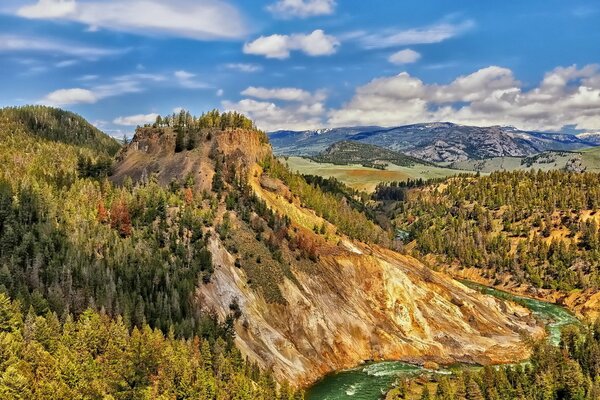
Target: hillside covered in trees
(147, 275)
(94, 357)
(368, 155)
(541, 228)
(72, 242)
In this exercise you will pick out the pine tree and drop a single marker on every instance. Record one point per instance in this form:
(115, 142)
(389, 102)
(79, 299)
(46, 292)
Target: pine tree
(473, 390)
(179, 140)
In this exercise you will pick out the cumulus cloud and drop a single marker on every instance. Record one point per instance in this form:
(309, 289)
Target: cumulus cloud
(406, 56)
(135, 120)
(299, 108)
(63, 97)
(490, 96)
(425, 35)
(270, 116)
(194, 19)
(314, 44)
(285, 94)
(19, 43)
(302, 8)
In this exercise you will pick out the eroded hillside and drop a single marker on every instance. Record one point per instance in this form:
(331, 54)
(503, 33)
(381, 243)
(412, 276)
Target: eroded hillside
(308, 297)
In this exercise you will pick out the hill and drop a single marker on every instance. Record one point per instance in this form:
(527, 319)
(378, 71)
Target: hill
(52, 146)
(530, 232)
(315, 287)
(201, 234)
(58, 125)
(434, 142)
(367, 155)
(311, 142)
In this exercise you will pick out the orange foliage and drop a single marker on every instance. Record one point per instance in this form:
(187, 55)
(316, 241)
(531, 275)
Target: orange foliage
(102, 214)
(120, 218)
(188, 196)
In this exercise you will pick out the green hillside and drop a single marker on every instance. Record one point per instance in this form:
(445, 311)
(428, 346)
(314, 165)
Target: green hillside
(517, 223)
(102, 277)
(57, 125)
(367, 155)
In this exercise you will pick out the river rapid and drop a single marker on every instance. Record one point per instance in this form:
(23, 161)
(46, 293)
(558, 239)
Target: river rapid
(372, 381)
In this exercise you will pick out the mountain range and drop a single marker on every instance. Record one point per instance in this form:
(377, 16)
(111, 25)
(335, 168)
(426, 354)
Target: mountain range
(434, 142)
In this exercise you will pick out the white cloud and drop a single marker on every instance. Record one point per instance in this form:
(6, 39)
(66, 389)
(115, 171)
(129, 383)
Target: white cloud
(269, 116)
(243, 67)
(314, 44)
(405, 56)
(17, 43)
(220, 92)
(286, 94)
(64, 97)
(186, 79)
(425, 35)
(183, 75)
(135, 120)
(49, 9)
(141, 77)
(490, 96)
(302, 8)
(117, 86)
(194, 19)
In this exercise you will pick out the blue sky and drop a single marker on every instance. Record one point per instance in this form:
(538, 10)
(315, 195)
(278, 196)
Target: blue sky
(300, 64)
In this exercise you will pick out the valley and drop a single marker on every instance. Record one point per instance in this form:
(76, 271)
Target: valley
(299, 200)
(203, 234)
(364, 178)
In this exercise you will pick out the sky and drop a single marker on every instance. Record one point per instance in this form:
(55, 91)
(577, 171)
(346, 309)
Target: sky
(306, 64)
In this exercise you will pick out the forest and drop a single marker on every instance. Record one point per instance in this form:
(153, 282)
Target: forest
(96, 357)
(102, 277)
(542, 228)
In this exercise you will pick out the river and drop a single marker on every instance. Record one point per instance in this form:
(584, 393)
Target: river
(371, 381)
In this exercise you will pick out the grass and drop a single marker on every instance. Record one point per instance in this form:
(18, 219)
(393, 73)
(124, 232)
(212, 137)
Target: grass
(364, 178)
(591, 159)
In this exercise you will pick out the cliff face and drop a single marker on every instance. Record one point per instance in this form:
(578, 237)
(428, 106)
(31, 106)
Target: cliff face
(151, 153)
(356, 302)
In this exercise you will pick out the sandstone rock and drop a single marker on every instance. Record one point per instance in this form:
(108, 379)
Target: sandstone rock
(431, 365)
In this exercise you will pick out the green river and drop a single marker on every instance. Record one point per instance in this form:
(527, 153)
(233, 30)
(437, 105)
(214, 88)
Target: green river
(371, 381)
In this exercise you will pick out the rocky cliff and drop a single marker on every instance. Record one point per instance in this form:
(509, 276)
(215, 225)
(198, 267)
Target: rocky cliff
(348, 302)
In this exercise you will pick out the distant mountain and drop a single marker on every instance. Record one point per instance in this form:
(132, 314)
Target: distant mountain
(435, 142)
(312, 142)
(353, 152)
(592, 137)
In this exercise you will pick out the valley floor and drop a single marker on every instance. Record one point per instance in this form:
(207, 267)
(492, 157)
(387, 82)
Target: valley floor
(364, 178)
